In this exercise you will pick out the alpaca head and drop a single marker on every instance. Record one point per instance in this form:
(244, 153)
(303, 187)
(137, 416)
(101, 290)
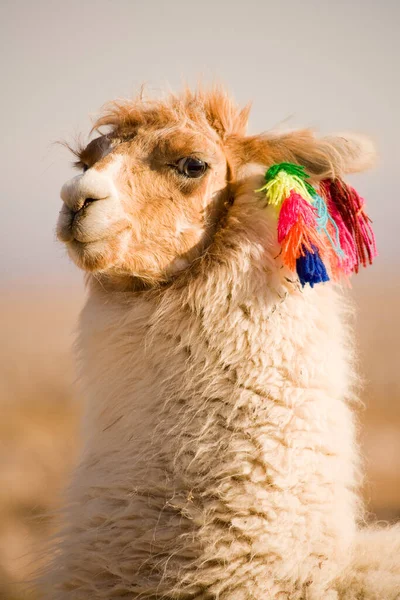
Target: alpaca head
(155, 186)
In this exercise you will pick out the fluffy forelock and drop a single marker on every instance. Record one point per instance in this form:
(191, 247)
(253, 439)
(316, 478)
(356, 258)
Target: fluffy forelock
(213, 107)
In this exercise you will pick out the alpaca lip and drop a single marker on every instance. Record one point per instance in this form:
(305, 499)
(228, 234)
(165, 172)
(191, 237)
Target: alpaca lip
(73, 240)
(77, 243)
(65, 229)
(64, 225)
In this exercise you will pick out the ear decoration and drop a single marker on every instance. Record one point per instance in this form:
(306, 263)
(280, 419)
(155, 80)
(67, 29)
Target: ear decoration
(324, 234)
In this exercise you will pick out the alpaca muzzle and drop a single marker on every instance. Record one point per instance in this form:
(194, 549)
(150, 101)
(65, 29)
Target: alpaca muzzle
(91, 211)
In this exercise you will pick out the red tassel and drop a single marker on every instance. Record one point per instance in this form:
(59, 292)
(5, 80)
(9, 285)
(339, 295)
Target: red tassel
(346, 264)
(350, 207)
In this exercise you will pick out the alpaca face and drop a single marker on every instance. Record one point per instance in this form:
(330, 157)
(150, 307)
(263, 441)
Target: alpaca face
(147, 201)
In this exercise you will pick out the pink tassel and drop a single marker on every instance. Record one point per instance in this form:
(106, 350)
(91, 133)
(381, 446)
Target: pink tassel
(293, 209)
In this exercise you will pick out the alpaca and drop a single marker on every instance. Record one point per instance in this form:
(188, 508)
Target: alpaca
(219, 456)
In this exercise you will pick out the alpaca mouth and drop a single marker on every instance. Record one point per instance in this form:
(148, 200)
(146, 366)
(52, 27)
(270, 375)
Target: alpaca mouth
(69, 226)
(85, 229)
(74, 239)
(78, 244)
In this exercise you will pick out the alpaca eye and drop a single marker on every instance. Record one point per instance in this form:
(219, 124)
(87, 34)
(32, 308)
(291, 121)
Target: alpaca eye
(84, 168)
(192, 167)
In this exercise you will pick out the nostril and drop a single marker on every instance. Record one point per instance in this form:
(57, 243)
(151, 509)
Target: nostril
(88, 201)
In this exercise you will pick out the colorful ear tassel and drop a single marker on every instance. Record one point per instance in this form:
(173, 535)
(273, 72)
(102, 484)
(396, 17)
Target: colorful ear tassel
(324, 233)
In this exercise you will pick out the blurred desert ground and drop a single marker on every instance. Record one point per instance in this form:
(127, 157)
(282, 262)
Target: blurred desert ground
(40, 409)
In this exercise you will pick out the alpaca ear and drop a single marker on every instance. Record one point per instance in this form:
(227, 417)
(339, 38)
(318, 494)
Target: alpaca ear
(326, 157)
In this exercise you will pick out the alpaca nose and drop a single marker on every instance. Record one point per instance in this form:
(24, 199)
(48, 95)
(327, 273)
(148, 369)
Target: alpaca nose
(82, 190)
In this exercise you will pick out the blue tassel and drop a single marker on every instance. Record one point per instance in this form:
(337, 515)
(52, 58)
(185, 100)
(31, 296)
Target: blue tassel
(310, 268)
(323, 219)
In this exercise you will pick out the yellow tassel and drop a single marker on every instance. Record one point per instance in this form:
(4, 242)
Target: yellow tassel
(279, 188)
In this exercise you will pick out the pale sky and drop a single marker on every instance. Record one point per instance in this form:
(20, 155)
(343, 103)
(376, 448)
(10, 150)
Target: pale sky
(332, 65)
